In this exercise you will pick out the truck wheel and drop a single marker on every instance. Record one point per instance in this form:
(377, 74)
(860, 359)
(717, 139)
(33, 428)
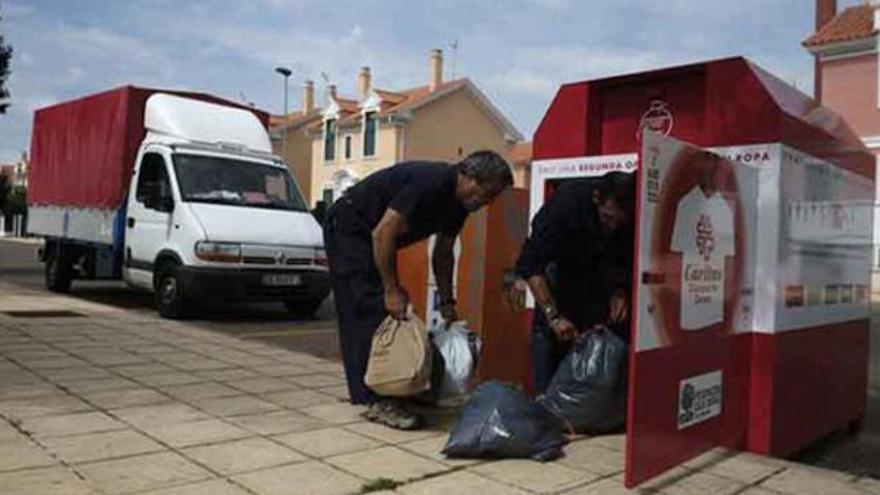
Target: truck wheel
(59, 275)
(299, 308)
(168, 292)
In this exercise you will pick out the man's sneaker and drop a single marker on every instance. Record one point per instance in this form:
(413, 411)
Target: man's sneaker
(393, 415)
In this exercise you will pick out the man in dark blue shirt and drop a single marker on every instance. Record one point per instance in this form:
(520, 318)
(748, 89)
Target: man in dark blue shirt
(390, 209)
(577, 263)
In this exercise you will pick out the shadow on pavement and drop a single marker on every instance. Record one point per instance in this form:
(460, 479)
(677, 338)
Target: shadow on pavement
(855, 453)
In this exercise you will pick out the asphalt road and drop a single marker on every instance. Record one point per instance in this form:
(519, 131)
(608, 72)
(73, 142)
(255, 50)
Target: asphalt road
(856, 453)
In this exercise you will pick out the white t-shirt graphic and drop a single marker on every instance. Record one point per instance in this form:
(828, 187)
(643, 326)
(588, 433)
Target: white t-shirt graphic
(703, 234)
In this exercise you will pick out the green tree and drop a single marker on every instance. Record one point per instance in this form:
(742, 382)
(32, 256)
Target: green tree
(5, 189)
(5, 61)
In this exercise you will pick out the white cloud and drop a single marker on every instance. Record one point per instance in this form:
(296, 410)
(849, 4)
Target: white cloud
(16, 10)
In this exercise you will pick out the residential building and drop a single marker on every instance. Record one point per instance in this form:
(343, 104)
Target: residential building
(290, 141)
(847, 74)
(441, 120)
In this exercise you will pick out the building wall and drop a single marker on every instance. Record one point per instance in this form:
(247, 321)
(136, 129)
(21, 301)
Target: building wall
(849, 87)
(450, 128)
(358, 166)
(299, 160)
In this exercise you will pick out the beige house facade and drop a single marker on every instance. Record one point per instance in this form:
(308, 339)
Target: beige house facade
(291, 141)
(442, 120)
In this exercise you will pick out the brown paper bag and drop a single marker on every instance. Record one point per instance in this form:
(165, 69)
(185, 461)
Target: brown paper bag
(400, 360)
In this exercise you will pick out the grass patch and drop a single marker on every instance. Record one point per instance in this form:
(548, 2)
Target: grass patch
(378, 485)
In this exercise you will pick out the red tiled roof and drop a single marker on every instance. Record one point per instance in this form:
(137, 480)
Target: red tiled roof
(853, 23)
(293, 119)
(392, 101)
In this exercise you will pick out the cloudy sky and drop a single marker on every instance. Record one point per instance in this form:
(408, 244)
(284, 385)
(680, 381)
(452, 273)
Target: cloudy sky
(518, 51)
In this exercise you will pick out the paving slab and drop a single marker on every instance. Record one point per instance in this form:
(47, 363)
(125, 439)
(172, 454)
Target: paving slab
(328, 442)
(159, 415)
(313, 478)
(317, 380)
(461, 482)
(129, 397)
(196, 391)
(432, 448)
(232, 406)
(44, 481)
(142, 473)
(387, 462)
(20, 453)
(702, 483)
(745, 469)
(606, 486)
(228, 374)
(262, 385)
(390, 435)
(338, 413)
(277, 422)
(100, 446)
(138, 370)
(71, 424)
(192, 433)
(245, 455)
(79, 373)
(213, 487)
(534, 476)
(592, 457)
(796, 481)
(282, 370)
(166, 379)
(298, 399)
(43, 405)
(93, 385)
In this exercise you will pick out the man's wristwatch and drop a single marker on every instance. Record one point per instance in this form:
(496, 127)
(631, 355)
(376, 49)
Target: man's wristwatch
(550, 312)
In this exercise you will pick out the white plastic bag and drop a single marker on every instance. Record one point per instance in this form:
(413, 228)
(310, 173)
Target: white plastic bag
(460, 349)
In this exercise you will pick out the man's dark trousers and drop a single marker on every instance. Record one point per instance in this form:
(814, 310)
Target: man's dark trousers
(358, 293)
(547, 352)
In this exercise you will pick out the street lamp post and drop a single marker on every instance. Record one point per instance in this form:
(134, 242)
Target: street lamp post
(285, 72)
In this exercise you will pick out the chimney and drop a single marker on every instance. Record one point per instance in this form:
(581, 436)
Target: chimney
(308, 98)
(825, 11)
(436, 66)
(364, 82)
(331, 91)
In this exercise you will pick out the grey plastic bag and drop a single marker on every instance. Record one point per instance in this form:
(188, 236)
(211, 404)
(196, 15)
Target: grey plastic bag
(499, 421)
(588, 391)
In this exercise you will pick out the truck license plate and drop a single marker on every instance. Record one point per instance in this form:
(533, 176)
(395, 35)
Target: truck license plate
(281, 280)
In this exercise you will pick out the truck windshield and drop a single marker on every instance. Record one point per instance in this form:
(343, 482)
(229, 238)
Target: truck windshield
(208, 179)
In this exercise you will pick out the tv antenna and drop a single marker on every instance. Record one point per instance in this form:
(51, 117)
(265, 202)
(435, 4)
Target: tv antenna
(454, 47)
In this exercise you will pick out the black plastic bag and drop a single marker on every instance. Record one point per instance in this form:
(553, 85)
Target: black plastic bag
(499, 421)
(588, 391)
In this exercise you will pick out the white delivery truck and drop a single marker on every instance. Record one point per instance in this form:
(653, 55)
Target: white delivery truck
(176, 193)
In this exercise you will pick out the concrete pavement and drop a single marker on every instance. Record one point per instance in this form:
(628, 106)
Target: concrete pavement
(96, 399)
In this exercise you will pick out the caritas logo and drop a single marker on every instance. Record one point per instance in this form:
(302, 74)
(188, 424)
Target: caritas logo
(658, 118)
(705, 237)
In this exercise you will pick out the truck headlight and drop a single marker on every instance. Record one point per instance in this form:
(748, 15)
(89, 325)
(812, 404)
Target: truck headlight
(224, 252)
(321, 257)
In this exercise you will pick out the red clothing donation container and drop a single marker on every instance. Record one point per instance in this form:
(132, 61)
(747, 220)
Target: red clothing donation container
(785, 361)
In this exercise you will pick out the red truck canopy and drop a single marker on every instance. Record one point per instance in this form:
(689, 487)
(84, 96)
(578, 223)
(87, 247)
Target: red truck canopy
(83, 150)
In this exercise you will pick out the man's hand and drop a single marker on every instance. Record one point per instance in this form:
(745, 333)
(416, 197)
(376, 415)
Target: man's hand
(396, 301)
(618, 308)
(564, 329)
(516, 295)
